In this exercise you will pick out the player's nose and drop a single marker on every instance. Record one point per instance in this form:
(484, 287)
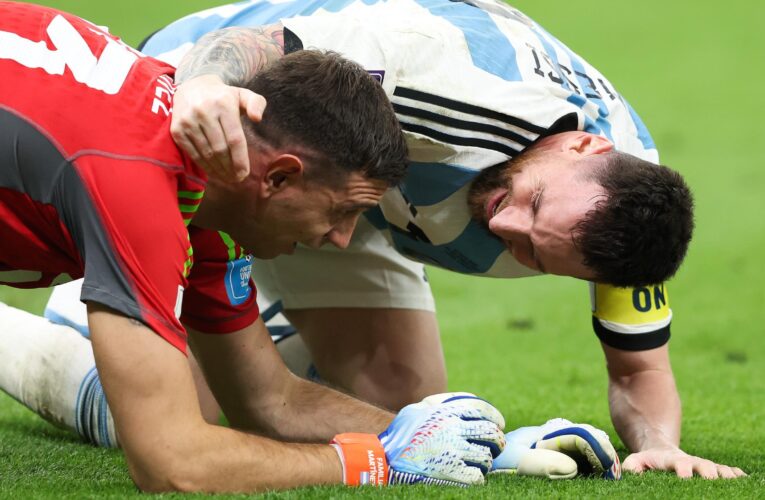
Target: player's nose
(341, 234)
(511, 223)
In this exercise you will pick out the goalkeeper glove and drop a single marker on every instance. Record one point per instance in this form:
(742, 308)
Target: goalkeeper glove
(446, 439)
(559, 449)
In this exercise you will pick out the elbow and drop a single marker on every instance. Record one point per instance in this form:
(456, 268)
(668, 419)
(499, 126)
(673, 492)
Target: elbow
(168, 474)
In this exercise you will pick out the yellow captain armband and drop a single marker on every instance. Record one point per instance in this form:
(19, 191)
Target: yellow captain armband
(633, 319)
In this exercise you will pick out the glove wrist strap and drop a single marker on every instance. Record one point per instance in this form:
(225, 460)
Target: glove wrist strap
(363, 459)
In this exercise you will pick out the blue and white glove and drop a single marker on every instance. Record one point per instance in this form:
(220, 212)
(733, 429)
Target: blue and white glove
(446, 439)
(559, 449)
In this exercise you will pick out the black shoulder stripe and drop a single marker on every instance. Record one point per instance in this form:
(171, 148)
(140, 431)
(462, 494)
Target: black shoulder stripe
(461, 124)
(461, 141)
(631, 341)
(468, 109)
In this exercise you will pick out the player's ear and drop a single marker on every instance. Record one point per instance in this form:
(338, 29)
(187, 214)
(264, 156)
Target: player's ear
(282, 171)
(587, 144)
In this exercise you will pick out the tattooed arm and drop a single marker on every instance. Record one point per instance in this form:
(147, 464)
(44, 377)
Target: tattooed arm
(208, 103)
(233, 54)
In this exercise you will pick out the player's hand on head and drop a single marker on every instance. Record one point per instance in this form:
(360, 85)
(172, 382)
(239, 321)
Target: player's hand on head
(446, 439)
(559, 449)
(206, 124)
(681, 463)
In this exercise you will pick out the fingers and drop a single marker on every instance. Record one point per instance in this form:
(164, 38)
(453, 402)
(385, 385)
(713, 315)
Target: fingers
(253, 104)
(477, 456)
(474, 408)
(684, 465)
(710, 470)
(485, 434)
(235, 159)
(738, 472)
(633, 464)
(467, 406)
(469, 475)
(215, 151)
(547, 463)
(593, 456)
(206, 124)
(204, 141)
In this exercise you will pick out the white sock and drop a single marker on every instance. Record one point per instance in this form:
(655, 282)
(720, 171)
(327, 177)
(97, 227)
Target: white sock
(51, 370)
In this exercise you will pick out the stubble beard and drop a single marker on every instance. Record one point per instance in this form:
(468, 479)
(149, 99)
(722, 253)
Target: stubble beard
(490, 179)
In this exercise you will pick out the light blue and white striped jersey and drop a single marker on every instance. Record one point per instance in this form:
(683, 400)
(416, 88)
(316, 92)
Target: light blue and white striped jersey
(471, 86)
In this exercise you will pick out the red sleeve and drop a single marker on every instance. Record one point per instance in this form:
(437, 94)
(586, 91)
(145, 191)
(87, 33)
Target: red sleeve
(220, 297)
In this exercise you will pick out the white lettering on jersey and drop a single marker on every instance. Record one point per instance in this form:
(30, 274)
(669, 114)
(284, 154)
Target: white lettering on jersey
(106, 73)
(164, 96)
(178, 302)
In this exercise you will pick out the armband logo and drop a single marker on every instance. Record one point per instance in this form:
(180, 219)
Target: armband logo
(238, 280)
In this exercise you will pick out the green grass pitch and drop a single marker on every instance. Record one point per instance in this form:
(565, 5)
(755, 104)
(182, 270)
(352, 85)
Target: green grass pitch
(693, 70)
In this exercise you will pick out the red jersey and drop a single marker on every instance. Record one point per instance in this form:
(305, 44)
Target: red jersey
(92, 185)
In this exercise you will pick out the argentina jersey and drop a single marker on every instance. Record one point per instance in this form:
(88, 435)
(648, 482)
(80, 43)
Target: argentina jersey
(473, 83)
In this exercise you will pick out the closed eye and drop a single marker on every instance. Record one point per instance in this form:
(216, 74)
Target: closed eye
(536, 202)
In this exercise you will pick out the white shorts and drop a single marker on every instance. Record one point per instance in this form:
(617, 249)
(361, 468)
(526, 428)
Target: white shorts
(369, 273)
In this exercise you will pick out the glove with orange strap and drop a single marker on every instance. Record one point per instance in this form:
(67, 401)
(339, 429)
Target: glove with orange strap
(447, 439)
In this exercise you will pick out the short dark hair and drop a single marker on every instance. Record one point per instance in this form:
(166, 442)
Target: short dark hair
(334, 108)
(638, 234)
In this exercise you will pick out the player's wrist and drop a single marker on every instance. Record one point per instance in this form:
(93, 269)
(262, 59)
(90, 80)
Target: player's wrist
(363, 459)
(654, 441)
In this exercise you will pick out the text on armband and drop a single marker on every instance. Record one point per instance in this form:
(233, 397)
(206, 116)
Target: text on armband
(644, 298)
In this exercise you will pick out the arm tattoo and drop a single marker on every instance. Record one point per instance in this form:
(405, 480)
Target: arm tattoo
(233, 54)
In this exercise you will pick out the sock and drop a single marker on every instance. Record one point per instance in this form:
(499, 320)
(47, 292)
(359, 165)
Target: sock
(50, 369)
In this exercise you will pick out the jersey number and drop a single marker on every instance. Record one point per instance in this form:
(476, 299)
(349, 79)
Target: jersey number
(106, 73)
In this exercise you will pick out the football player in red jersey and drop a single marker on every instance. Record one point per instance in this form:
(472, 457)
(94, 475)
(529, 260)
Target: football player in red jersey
(93, 186)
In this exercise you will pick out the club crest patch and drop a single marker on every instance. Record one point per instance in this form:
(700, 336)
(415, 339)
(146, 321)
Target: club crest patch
(238, 280)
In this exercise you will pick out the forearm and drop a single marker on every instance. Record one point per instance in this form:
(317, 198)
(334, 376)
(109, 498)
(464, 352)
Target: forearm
(259, 394)
(645, 409)
(168, 445)
(233, 54)
(217, 459)
(331, 412)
